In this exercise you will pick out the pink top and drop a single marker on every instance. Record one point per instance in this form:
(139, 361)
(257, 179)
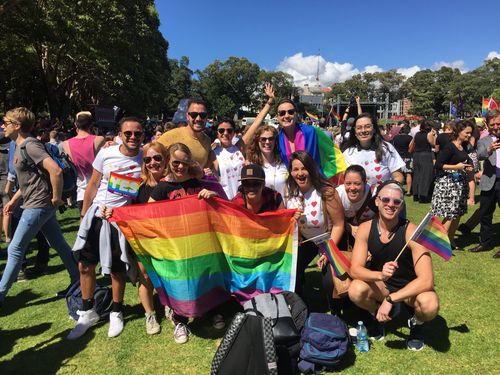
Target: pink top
(82, 154)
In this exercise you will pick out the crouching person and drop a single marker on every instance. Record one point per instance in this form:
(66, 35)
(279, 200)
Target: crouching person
(99, 241)
(380, 284)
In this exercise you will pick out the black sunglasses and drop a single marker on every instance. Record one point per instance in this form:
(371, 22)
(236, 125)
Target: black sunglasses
(252, 183)
(194, 115)
(228, 130)
(176, 163)
(157, 157)
(265, 139)
(128, 134)
(282, 113)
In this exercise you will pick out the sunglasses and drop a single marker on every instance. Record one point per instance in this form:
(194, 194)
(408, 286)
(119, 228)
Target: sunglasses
(266, 139)
(147, 159)
(282, 113)
(222, 131)
(194, 115)
(129, 134)
(176, 163)
(387, 200)
(252, 183)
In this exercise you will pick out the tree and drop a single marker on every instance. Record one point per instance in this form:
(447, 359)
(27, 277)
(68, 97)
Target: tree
(179, 85)
(89, 53)
(228, 85)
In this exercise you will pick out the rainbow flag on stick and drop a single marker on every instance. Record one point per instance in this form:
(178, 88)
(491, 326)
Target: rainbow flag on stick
(199, 252)
(432, 235)
(312, 116)
(339, 261)
(123, 185)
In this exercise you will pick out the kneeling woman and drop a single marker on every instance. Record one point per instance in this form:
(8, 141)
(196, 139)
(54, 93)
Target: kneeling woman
(183, 175)
(311, 193)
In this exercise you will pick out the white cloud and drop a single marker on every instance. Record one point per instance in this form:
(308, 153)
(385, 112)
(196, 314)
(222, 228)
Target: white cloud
(372, 69)
(457, 64)
(409, 72)
(492, 55)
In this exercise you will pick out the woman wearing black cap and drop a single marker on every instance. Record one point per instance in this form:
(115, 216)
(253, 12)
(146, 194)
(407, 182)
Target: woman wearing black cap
(253, 195)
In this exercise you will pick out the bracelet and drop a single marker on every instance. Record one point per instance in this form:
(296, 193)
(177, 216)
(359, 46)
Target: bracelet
(389, 299)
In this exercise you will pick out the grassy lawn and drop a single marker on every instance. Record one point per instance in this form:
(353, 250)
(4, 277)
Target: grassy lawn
(463, 339)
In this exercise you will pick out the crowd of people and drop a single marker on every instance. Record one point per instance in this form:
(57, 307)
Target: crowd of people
(262, 169)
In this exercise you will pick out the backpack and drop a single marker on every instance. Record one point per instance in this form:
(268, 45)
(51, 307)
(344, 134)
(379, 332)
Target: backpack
(64, 162)
(325, 340)
(247, 348)
(102, 296)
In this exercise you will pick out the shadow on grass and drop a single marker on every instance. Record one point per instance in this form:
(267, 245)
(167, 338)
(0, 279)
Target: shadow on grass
(314, 295)
(437, 336)
(10, 337)
(203, 326)
(467, 240)
(11, 305)
(47, 357)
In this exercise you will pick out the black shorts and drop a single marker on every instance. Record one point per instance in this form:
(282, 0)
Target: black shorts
(89, 255)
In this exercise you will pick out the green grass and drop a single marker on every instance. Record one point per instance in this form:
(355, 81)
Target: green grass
(463, 339)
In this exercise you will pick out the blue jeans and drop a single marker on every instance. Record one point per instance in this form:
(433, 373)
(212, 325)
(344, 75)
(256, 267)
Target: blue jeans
(33, 220)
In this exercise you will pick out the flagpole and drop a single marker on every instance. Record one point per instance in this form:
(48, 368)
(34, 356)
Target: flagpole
(423, 222)
(315, 237)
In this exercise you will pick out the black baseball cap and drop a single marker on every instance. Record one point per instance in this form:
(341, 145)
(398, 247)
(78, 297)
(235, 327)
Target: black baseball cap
(252, 172)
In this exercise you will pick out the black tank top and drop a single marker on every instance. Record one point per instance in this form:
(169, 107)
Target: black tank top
(421, 142)
(383, 253)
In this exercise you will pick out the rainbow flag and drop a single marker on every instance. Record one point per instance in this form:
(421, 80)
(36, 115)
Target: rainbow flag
(484, 107)
(334, 114)
(199, 252)
(317, 144)
(432, 235)
(312, 116)
(339, 261)
(123, 185)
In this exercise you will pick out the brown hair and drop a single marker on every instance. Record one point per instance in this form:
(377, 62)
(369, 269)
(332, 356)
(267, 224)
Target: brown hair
(254, 154)
(22, 116)
(146, 176)
(194, 169)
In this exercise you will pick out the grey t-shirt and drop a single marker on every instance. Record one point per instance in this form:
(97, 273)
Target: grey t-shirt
(35, 191)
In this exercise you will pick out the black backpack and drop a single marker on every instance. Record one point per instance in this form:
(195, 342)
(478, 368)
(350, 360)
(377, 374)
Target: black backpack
(103, 298)
(64, 162)
(247, 348)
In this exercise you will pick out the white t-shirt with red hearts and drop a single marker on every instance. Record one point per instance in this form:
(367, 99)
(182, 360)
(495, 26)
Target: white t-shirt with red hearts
(376, 172)
(312, 221)
(230, 163)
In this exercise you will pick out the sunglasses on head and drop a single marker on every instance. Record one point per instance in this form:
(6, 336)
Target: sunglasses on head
(282, 113)
(157, 157)
(265, 139)
(252, 183)
(227, 130)
(137, 134)
(194, 115)
(387, 200)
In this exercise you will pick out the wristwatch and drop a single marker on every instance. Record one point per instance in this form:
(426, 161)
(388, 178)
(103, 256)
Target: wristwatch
(389, 299)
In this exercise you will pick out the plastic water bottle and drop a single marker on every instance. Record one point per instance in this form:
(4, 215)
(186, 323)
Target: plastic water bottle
(362, 338)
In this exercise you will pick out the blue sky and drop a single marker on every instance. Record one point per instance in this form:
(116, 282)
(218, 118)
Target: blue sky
(352, 36)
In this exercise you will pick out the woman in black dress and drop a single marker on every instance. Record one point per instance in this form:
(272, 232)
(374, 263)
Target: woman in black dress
(401, 143)
(423, 174)
(451, 190)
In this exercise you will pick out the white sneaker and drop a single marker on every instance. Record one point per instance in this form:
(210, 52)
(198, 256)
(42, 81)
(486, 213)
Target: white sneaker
(181, 333)
(115, 324)
(86, 320)
(169, 314)
(152, 326)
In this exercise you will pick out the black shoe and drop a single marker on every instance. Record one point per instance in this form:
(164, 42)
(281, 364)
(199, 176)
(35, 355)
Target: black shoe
(479, 248)
(62, 293)
(415, 341)
(376, 330)
(464, 229)
(38, 269)
(497, 255)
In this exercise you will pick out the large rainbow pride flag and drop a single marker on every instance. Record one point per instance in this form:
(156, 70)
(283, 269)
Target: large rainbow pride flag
(199, 252)
(432, 235)
(317, 144)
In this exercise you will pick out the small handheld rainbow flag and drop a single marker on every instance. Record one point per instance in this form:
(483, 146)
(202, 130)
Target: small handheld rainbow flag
(339, 261)
(432, 235)
(123, 185)
(312, 117)
(484, 107)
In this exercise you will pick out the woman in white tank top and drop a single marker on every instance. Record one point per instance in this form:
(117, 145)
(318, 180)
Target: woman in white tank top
(322, 211)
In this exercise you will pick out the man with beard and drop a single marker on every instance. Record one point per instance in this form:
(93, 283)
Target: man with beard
(381, 285)
(193, 135)
(99, 241)
(488, 149)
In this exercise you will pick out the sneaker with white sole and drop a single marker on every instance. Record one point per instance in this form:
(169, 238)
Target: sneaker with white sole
(115, 324)
(152, 326)
(415, 341)
(181, 333)
(169, 314)
(86, 320)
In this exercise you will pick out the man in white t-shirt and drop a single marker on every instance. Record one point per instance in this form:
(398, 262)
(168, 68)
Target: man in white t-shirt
(92, 245)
